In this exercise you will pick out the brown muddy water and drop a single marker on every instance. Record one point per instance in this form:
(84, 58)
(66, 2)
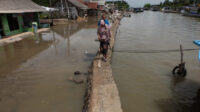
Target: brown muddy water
(34, 72)
(144, 79)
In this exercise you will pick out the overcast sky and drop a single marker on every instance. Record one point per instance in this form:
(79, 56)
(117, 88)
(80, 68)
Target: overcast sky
(140, 3)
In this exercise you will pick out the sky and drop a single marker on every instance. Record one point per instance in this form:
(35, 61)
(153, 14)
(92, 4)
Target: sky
(140, 3)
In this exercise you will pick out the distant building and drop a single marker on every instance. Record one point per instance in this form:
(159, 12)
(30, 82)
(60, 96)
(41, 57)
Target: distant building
(91, 5)
(71, 8)
(16, 16)
(100, 3)
(94, 6)
(110, 5)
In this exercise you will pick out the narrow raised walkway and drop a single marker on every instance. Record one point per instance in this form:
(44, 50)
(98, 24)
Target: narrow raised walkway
(104, 95)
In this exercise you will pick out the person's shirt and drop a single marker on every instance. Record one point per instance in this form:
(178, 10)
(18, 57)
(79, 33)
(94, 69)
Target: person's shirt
(103, 32)
(106, 22)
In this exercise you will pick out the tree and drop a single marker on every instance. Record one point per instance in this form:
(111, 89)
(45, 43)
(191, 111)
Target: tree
(161, 4)
(148, 6)
(183, 2)
(167, 3)
(122, 4)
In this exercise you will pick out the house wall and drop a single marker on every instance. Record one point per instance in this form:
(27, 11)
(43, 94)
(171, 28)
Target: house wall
(99, 2)
(6, 28)
(95, 4)
(92, 5)
(21, 29)
(71, 6)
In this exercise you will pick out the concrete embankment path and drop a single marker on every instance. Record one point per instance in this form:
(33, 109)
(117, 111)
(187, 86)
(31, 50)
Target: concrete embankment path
(104, 95)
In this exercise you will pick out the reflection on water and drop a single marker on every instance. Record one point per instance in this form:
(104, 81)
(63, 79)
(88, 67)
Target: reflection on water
(34, 72)
(145, 81)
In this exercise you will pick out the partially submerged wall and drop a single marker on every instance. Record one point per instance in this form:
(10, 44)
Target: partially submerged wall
(19, 37)
(102, 93)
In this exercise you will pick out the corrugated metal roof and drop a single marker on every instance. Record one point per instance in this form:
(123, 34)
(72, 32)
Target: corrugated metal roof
(19, 6)
(78, 4)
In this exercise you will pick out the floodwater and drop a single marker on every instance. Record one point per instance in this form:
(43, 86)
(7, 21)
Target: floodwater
(144, 78)
(34, 72)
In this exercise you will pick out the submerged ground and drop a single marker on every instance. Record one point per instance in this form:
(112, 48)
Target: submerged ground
(34, 72)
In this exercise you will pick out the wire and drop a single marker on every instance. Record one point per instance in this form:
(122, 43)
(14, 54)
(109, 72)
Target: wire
(154, 51)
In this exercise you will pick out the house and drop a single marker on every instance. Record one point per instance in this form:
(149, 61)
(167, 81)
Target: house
(100, 3)
(110, 5)
(95, 6)
(16, 16)
(71, 8)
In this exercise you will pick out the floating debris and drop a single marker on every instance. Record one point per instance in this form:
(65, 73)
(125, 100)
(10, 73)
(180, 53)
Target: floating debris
(97, 40)
(85, 73)
(86, 52)
(76, 80)
(80, 73)
(77, 73)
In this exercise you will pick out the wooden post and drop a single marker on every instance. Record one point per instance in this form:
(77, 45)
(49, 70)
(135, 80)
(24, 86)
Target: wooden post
(181, 50)
(50, 5)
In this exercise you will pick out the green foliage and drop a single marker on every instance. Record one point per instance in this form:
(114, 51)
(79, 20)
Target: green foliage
(183, 2)
(168, 3)
(44, 16)
(120, 4)
(123, 5)
(178, 3)
(148, 5)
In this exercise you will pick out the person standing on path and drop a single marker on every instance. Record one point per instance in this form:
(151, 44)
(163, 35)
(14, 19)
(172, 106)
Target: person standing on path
(104, 35)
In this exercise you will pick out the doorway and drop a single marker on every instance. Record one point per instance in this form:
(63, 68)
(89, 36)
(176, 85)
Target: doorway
(1, 28)
(13, 22)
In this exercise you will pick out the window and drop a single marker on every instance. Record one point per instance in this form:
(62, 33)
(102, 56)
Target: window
(13, 22)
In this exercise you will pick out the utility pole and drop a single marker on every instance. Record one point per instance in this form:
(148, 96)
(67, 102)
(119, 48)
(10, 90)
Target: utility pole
(122, 5)
(67, 7)
(50, 5)
(61, 3)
